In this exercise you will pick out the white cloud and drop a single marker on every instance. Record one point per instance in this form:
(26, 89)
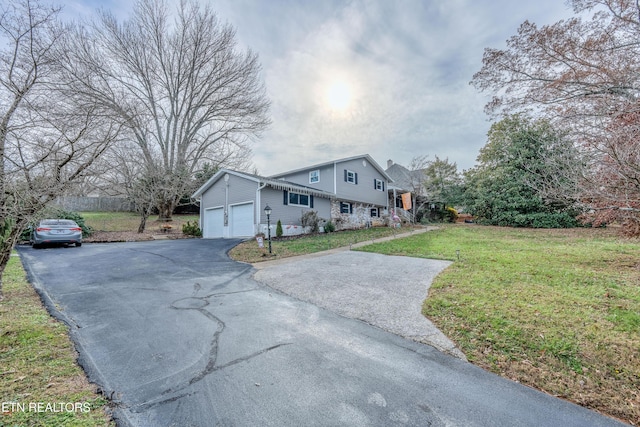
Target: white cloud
(408, 64)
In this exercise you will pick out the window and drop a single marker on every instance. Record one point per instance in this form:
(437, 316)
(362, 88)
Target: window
(350, 177)
(314, 176)
(378, 184)
(345, 208)
(375, 213)
(299, 199)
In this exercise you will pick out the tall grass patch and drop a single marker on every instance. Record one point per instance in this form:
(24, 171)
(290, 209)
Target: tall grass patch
(558, 310)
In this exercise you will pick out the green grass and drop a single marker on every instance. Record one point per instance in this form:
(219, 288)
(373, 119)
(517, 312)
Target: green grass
(555, 309)
(38, 363)
(128, 221)
(301, 245)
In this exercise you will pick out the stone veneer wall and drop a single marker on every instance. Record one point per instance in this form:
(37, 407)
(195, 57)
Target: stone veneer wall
(360, 217)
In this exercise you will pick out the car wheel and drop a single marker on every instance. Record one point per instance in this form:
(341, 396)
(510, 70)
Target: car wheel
(78, 244)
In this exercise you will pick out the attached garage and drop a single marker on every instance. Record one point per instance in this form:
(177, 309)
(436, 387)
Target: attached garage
(241, 220)
(232, 204)
(213, 223)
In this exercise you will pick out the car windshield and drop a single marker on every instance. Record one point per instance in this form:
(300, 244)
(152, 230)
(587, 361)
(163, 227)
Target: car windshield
(59, 222)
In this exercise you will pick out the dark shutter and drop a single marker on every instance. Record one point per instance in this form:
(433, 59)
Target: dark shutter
(311, 201)
(350, 208)
(286, 197)
(382, 185)
(375, 184)
(345, 175)
(355, 178)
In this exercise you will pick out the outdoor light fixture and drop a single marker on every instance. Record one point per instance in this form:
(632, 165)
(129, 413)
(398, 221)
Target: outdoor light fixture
(267, 210)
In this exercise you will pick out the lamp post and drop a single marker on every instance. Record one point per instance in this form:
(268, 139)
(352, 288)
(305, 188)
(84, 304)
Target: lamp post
(267, 210)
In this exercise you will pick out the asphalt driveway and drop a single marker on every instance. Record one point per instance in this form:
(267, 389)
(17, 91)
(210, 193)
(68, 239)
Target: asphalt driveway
(179, 335)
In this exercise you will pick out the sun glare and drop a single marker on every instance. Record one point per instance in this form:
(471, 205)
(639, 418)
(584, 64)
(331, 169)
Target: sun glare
(339, 96)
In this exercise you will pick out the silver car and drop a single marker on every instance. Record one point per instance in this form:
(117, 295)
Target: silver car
(56, 231)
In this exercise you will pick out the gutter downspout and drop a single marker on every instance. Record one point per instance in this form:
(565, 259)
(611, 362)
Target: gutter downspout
(201, 210)
(394, 203)
(259, 204)
(226, 200)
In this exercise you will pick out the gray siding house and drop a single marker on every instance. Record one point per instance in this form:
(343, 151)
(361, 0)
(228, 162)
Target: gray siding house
(351, 192)
(232, 204)
(358, 186)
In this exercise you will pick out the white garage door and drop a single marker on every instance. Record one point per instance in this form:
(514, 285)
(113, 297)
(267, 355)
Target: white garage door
(241, 220)
(213, 223)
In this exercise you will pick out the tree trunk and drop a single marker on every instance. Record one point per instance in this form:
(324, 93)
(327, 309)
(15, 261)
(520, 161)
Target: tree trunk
(5, 253)
(165, 210)
(143, 221)
(9, 235)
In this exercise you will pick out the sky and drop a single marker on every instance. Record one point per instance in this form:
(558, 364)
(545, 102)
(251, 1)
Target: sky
(389, 78)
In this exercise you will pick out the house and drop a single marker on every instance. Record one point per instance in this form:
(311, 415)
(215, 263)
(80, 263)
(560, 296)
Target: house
(358, 185)
(404, 181)
(351, 192)
(411, 181)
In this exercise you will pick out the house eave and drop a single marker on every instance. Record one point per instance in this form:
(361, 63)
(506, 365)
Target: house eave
(276, 184)
(335, 162)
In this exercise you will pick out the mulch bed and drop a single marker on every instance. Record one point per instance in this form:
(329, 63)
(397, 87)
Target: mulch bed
(131, 236)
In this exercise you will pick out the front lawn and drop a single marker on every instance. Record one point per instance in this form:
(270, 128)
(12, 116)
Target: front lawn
(123, 226)
(129, 221)
(305, 244)
(558, 310)
(40, 382)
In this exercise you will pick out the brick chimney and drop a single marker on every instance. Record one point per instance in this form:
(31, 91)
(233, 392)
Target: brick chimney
(389, 163)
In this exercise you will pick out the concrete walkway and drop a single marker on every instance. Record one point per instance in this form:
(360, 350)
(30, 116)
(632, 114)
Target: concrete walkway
(381, 290)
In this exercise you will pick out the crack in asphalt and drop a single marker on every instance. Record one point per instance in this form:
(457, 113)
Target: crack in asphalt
(177, 263)
(154, 254)
(199, 304)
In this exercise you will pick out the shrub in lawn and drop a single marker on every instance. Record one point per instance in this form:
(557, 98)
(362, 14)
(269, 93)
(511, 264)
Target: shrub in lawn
(312, 220)
(191, 229)
(279, 229)
(450, 214)
(329, 227)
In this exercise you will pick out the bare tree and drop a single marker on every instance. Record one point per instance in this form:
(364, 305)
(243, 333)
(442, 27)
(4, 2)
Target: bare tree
(181, 88)
(583, 75)
(417, 179)
(614, 182)
(47, 139)
(123, 175)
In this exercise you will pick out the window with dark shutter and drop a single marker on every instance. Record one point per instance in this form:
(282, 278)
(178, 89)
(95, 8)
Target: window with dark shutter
(345, 208)
(298, 199)
(350, 177)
